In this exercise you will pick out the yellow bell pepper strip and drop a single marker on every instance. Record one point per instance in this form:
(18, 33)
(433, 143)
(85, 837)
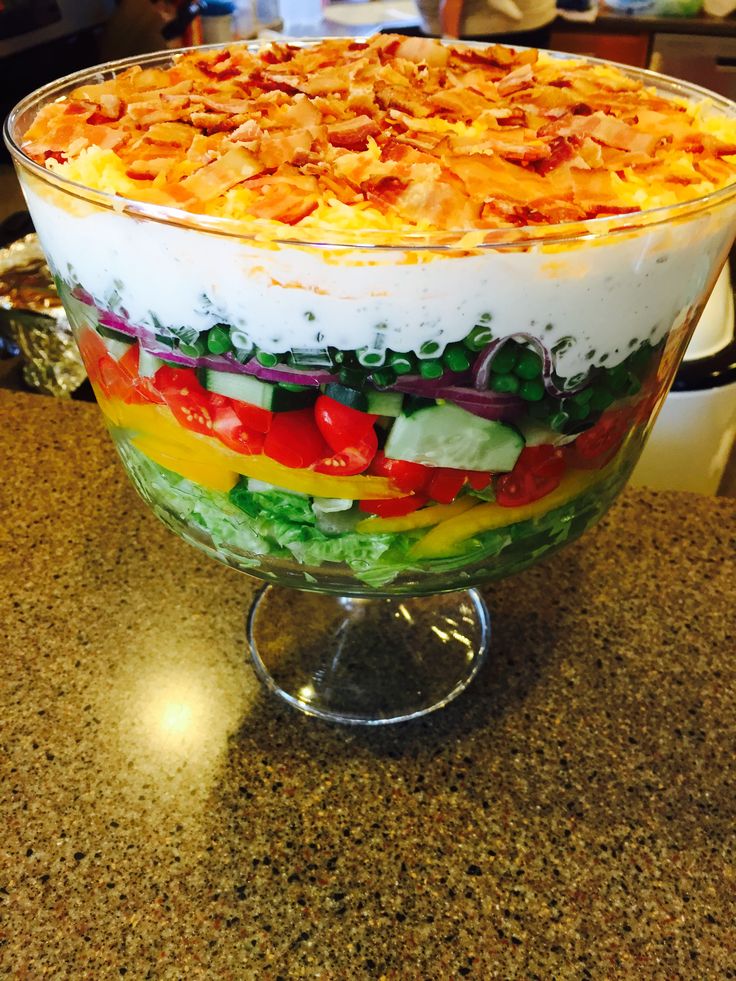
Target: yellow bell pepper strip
(315, 484)
(424, 518)
(444, 538)
(204, 473)
(152, 420)
(165, 436)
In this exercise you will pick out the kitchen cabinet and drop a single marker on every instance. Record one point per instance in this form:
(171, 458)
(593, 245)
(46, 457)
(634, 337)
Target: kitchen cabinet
(707, 61)
(699, 49)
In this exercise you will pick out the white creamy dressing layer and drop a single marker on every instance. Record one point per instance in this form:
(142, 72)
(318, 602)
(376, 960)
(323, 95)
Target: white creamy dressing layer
(605, 297)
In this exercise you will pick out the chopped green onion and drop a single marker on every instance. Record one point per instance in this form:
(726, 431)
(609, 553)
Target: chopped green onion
(617, 379)
(351, 377)
(195, 350)
(429, 348)
(314, 357)
(218, 340)
(480, 336)
(293, 387)
(370, 358)
(583, 397)
(267, 359)
(558, 421)
(601, 399)
(382, 378)
(402, 364)
(576, 410)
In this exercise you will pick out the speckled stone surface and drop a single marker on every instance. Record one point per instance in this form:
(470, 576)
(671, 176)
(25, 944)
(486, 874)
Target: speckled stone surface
(572, 815)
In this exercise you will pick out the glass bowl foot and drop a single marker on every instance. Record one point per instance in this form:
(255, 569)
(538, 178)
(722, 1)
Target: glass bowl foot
(366, 661)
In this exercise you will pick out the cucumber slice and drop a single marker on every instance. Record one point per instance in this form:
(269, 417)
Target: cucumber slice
(384, 403)
(116, 346)
(114, 335)
(247, 388)
(347, 396)
(448, 436)
(148, 364)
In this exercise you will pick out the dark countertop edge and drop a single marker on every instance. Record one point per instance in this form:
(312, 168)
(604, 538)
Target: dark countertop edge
(607, 22)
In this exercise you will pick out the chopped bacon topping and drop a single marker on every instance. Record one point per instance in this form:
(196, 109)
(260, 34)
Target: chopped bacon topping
(414, 131)
(352, 134)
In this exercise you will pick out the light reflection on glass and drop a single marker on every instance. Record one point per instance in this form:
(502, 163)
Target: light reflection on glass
(461, 638)
(405, 613)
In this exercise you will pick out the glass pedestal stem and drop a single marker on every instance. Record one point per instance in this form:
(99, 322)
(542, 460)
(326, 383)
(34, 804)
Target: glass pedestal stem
(367, 661)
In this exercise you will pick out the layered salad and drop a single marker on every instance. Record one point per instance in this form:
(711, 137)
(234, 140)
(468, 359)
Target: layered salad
(385, 313)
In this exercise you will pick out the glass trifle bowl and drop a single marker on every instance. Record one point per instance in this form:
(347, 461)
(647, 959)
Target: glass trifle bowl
(378, 319)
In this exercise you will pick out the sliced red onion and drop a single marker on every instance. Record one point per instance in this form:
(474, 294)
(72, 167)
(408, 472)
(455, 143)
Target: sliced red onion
(482, 365)
(487, 404)
(173, 357)
(116, 322)
(79, 293)
(495, 407)
(311, 377)
(418, 385)
(217, 362)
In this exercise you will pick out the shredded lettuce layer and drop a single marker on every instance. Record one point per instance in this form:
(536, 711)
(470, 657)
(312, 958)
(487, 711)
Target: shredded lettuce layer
(258, 520)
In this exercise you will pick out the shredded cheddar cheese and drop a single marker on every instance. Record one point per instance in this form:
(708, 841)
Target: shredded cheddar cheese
(384, 133)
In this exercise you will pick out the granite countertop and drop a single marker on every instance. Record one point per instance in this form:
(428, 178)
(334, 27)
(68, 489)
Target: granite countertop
(572, 815)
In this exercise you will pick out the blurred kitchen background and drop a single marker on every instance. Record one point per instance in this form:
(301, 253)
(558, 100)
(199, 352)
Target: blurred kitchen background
(691, 39)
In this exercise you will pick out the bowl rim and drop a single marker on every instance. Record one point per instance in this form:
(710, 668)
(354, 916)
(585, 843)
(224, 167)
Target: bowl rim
(469, 239)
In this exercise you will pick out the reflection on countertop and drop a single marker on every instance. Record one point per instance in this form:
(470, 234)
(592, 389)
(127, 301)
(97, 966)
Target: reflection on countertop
(570, 815)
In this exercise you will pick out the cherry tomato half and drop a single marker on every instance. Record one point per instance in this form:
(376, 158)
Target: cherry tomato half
(478, 479)
(397, 507)
(252, 416)
(186, 398)
(445, 484)
(597, 446)
(228, 428)
(295, 440)
(114, 381)
(404, 475)
(538, 471)
(340, 425)
(92, 349)
(141, 390)
(352, 459)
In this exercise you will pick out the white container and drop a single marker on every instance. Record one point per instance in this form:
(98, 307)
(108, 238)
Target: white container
(696, 430)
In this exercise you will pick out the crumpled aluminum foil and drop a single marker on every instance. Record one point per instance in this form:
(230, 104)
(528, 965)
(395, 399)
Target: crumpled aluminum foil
(32, 315)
